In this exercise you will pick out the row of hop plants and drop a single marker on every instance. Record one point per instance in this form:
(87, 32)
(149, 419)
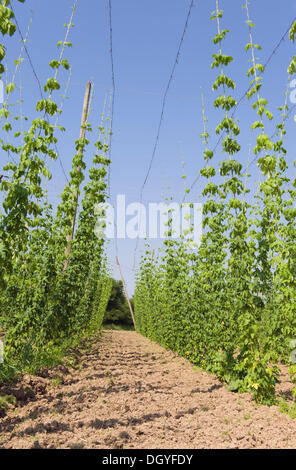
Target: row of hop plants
(54, 288)
(230, 305)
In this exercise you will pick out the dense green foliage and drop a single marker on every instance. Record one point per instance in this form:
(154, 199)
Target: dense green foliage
(50, 296)
(117, 311)
(230, 305)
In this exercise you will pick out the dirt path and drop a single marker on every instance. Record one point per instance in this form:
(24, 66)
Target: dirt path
(127, 392)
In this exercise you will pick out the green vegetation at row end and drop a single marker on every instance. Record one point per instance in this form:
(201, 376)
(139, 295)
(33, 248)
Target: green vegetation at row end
(118, 314)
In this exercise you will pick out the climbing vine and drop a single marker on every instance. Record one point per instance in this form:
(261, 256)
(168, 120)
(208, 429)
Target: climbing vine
(230, 305)
(49, 298)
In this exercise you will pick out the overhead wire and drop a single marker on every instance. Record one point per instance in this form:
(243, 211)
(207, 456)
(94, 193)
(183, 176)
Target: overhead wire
(164, 99)
(163, 105)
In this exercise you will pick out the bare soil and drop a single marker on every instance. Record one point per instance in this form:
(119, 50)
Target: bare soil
(127, 392)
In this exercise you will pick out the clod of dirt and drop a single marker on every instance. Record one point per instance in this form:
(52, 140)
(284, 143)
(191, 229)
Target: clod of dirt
(7, 402)
(36, 445)
(124, 435)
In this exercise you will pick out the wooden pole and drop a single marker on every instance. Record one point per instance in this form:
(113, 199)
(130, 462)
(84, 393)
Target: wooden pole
(85, 111)
(126, 294)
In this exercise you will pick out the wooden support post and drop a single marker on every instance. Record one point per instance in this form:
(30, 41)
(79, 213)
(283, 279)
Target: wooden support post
(78, 169)
(126, 294)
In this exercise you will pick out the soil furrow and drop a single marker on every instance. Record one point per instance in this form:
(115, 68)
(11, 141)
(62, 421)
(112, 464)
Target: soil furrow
(128, 392)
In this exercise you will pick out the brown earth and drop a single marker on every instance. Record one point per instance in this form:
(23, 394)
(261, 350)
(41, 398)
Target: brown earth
(127, 392)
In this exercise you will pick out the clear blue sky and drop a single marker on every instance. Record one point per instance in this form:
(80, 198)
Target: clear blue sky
(146, 35)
